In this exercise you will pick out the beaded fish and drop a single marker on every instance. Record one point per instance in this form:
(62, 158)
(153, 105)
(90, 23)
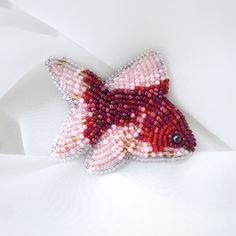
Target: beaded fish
(127, 116)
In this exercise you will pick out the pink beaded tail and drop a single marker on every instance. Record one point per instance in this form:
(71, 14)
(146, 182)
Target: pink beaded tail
(75, 83)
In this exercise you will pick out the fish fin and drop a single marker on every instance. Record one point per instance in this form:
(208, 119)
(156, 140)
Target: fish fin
(75, 83)
(109, 153)
(71, 79)
(144, 71)
(71, 139)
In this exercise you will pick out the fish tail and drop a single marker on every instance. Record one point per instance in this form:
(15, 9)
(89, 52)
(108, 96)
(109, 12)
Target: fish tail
(84, 89)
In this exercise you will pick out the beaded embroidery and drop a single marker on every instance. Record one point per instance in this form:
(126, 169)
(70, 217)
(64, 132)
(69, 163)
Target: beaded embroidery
(125, 117)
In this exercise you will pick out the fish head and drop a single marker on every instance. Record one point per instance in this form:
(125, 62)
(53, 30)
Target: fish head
(175, 138)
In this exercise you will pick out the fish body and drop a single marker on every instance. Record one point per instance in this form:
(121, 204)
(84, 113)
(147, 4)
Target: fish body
(125, 117)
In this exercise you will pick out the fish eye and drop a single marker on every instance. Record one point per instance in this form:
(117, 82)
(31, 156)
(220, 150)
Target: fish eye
(176, 138)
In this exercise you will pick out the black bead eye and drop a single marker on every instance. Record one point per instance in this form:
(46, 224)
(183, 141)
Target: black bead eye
(176, 139)
(106, 91)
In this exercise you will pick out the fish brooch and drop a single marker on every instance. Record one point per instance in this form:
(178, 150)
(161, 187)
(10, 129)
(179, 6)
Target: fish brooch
(127, 116)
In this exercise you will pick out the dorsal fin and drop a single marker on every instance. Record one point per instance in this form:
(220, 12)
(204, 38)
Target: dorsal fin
(145, 71)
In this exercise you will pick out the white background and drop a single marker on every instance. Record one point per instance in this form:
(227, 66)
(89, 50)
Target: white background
(190, 197)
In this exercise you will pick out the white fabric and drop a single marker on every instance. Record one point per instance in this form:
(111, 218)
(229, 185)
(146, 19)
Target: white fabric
(191, 197)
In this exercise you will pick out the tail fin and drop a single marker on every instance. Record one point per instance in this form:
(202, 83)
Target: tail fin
(71, 79)
(74, 82)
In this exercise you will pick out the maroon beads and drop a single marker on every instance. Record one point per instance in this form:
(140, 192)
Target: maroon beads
(147, 105)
